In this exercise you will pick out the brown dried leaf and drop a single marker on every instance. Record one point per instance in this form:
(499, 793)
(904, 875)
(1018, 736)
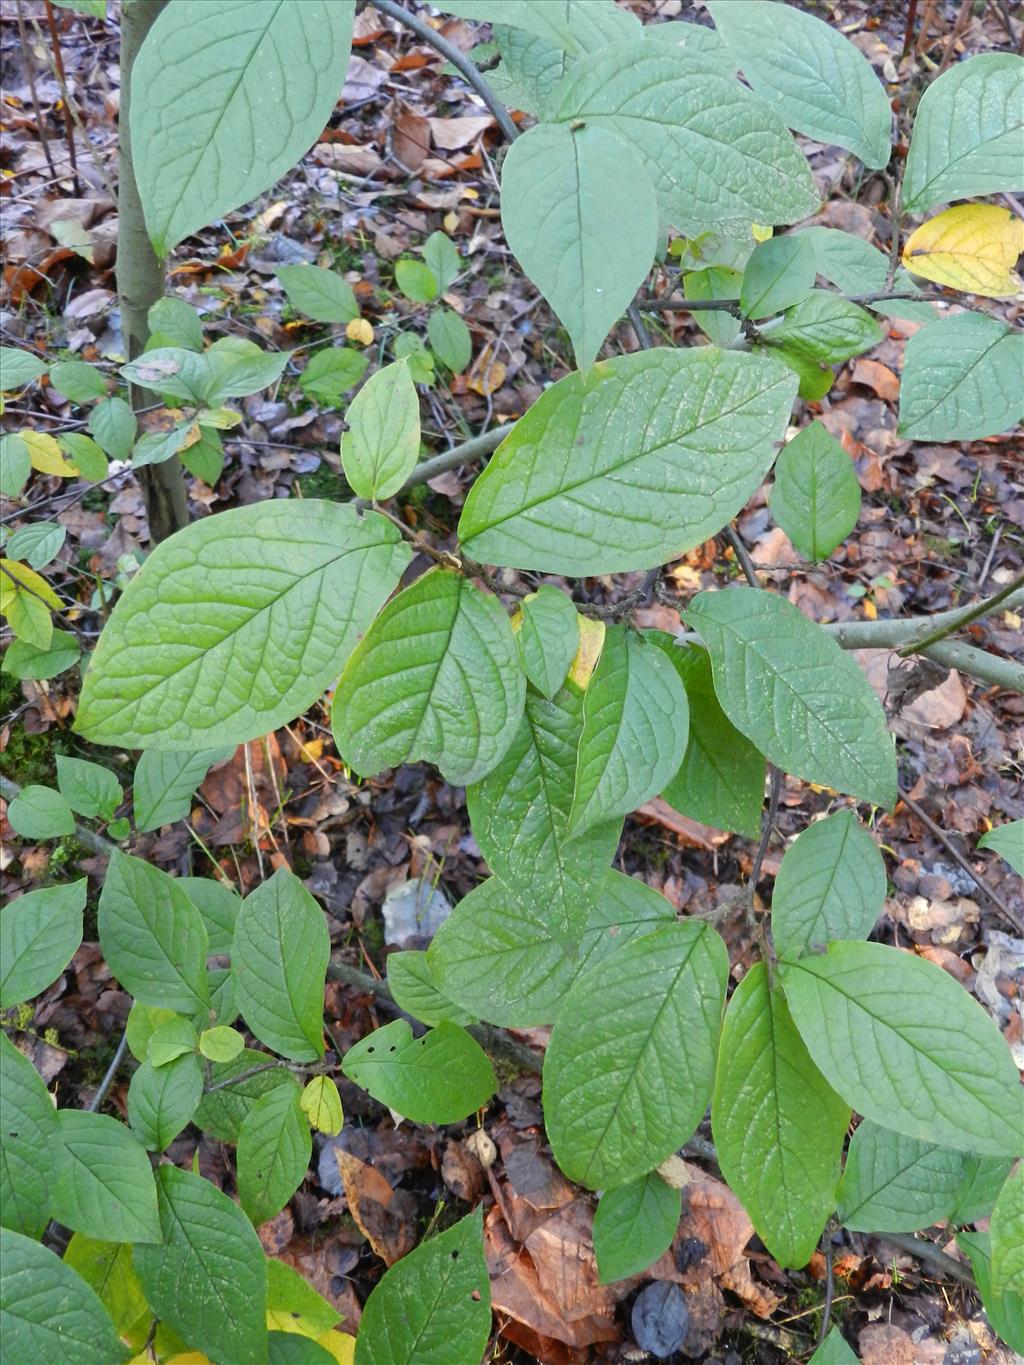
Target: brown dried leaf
(385, 1217)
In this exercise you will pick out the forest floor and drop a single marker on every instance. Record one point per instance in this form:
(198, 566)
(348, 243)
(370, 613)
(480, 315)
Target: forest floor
(408, 152)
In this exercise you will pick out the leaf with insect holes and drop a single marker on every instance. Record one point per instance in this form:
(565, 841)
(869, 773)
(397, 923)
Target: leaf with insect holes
(440, 1077)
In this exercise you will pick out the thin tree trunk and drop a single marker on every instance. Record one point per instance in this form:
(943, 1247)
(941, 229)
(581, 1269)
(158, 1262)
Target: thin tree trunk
(141, 279)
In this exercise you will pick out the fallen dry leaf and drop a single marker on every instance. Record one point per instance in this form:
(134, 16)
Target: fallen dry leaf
(385, 1217)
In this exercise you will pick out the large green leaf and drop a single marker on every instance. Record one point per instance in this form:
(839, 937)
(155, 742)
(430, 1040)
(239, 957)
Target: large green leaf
(633, 1225)
(779, 274)
(628, 1071)
(1007, 1231)
(216, 113)
(961, 379)
(163, 1099)
(629, 466)
(967, 133)
(825, 327)
(721, 779)
(815, 497)
(580, 215)
(894, 1183)
(905, 1045)
(48, 1312)
(635, 726)
(435, 678)
(778, 1125)
(236, 624)
(713, 151)
(164, 784)
(575, 25)
(152, 936)
(440, 1077)
(223, 1110)
(28, 1143)
(279, 965)
(208, 1281)
(104, 1184)
(274, 1147)
(794, 693)
(813, 77)
(831, 885)
(548, 635)
(434, 1306)
(40, 932)
(1005, 1311)
(382, 443)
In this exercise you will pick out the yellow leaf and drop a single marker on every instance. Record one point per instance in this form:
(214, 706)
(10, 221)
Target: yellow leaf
(359, 330)
(591, 642)
(46, 455)
(321, 1104)
(312, 750)
(34, 582)
(340, 1345)
(760, 232)
(284, 1320)
(972, 247)
(186, 1358)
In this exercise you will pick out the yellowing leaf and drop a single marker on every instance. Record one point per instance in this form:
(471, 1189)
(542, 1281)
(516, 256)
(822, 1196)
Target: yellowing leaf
(29, 579)
(487, 374)
(46, 455)
(340, 1345)
(185, 1358)
(972, 247)
(359, 330)
(591, 641)
(321, 1104)
(760, 232)
(285, 1320)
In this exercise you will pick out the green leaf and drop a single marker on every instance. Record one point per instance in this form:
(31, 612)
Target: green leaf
(155, 447)
(380, 448)
(204, 458)
(331, 373)
(221, 1044)
(208, 1280)
(580, 216)
(79, 381)
(815, 379)
(95, 9)
(238, 367)
(236, 624)
(113, 424)
(779, 274)
(143, 1022)
(165, 783)
(831, 885)
(981, 1182)
(47, 1312)
(162, 1100)
(222, 1112)
(318, 293)
(548, 637)
(1008, 842)
(15, 464)
(906, 1046)
(28, 1141)
(813, 77)
(290, 1348)
(321, 1104)
(825, 327)
(713, 151)
(40, 813)
(442, 256)
(440, 1077)
(893, 1183)
(720, 781)
(219, 907)
(966, 139)
(520, 819)
(288, 1293)
(1007, 1233)
(634, 1224)
(171, 1040)
(104, 1184)
(582, 487)
(85, 455)
(416, 280)
(215, 107)
(88, 788)
(961, 379)
(575, 25)
(107, 1268)
(778, 1125)
(37, 544)
(693, 40)
(635, 725)
(435, 679)
(23, 660)
(274, 1147)
(176, 322)
(450, 338)
(856, 267)
(40, 932)
(152, 936)
(716, 282)
(1004, 1311)
(171, 371)
(409, 346)
(433, 1306)
(411, 983)
(19, 368)
(794, 693)
(612, 1108)
(815, 497)
(279, 964)
(833, 1351)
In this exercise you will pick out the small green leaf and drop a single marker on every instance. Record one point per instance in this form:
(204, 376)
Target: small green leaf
(716, 282)
(79, 381)
(143, 1022)
(331, 373)
(408, 346)
(48, 1312)
(779, 274)
(450, 338)
(1007, 1233)
(440, 1077)
(831, 885)
(177, 323)
(40, 932)
(15, 464)
(894, 1183)
(961, 379)
(113, 424)
(164, 784)
(171, 1040)
(23, 660)
(210, 1247)
(659, 996)
(19, 368)
(222, 1112)
(833, 1351)
(238, 367)
(162, 1100)
(634, 1224)
(279, 964)
(104, 1184)
(432, 1305)
(981, 1182)
(891, 1033)
(1004, 1311)
(381, 446)
(321, 1105)
(88, 788)
(205, 458)
(40, 813)
(274, 1147)
(815, 497)
(156, 447)
(318, 293)
(37, 544)
(825, 327)
(416, 280)
(793, 692)
(221, 1044)
(1008, 842)
(411, 982)
(28, 1143)
(442, 256)
(548, 637)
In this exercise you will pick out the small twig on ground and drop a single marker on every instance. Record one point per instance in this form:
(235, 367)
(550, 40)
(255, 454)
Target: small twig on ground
(740, 551)
(26, 53)
(69, 122)
(830, 1284)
